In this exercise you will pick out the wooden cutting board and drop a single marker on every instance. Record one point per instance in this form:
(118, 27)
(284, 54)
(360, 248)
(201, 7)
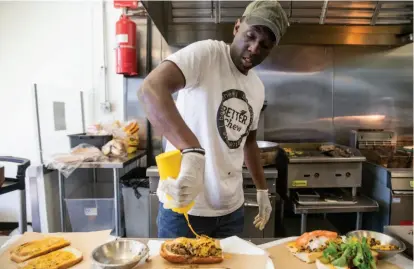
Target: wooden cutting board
(282, 259)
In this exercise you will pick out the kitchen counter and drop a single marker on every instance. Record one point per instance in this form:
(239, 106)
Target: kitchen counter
(363, 204)
(256, 241)
(115, 162)
(263, 243)
(269, 172)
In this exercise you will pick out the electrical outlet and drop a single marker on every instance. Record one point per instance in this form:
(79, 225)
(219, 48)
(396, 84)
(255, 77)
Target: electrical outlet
(106, 107)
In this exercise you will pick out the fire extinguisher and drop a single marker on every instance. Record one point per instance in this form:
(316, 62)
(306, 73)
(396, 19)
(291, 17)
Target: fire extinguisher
(126, 51)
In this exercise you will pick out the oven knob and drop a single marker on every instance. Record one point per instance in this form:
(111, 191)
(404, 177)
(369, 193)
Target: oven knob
(316, 175)
(348, 174)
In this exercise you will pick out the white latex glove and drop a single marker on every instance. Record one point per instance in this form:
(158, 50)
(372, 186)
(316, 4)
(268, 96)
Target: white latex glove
(264, 209)
(188, 184)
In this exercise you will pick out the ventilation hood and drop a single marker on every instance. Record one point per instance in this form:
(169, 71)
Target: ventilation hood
(311, 22)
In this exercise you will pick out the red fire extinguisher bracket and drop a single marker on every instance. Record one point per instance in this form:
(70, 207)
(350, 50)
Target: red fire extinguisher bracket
(126, 51)
(125, 4)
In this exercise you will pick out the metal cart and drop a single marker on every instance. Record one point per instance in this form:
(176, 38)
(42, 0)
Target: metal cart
(17, 184)
(116, 164)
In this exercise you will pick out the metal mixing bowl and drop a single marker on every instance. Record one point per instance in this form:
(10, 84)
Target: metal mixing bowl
(384, 239)
(120, 254)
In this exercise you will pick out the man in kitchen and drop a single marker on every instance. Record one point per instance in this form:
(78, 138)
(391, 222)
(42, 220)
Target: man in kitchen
(214, 124)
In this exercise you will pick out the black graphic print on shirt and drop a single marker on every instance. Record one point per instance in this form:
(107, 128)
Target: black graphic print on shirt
(234, 117)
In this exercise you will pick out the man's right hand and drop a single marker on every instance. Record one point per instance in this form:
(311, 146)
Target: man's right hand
(188, 184)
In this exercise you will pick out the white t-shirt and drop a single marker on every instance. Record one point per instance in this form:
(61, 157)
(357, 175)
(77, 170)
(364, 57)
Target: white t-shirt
(220, 105)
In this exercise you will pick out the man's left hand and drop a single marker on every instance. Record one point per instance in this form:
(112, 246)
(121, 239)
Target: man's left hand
(264, 209)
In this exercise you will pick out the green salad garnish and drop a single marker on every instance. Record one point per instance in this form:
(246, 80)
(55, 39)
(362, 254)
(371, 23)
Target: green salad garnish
(353, 253)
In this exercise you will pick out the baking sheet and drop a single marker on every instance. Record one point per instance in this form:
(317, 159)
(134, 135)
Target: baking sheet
(282, 258)
(240, 254)
(84, 242)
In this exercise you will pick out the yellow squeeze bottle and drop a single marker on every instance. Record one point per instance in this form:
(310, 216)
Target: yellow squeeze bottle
(169, 164)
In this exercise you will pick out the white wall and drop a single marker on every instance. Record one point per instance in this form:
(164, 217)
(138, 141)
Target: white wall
(57, 45)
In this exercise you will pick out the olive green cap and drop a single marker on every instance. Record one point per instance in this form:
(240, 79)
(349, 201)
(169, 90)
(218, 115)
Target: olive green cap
(267, 13)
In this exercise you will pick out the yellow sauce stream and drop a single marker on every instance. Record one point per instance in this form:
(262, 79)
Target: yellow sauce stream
(189, 225)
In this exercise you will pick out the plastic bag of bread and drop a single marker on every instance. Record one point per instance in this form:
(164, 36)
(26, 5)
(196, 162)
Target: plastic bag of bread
(115, 148)
(98, 129)
(66, 163)
(131, 138)
(87, 152)
(104, 128)
(128, 134)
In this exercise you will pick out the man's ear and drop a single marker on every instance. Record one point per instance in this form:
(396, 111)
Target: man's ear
(236, 27)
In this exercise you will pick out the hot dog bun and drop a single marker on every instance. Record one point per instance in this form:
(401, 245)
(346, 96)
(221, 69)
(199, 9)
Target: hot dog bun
(193, 251)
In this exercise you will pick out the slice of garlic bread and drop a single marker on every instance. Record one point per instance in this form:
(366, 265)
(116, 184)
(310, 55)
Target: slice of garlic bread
(59, 259)
(37, 248)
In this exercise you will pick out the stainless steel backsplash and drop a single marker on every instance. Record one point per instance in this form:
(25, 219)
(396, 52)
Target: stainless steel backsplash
(318, 93)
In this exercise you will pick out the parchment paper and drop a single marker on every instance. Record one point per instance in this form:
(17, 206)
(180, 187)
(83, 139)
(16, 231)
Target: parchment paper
(282, 258)
(238, 254)
(231, 261)
(84, 242)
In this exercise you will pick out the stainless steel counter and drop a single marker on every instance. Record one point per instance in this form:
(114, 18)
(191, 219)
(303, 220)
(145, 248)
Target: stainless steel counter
(363, 204)
(401, 172)
(269, 172)
(119, 162)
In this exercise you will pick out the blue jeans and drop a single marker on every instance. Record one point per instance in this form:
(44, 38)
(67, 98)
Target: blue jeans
(172, 225)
